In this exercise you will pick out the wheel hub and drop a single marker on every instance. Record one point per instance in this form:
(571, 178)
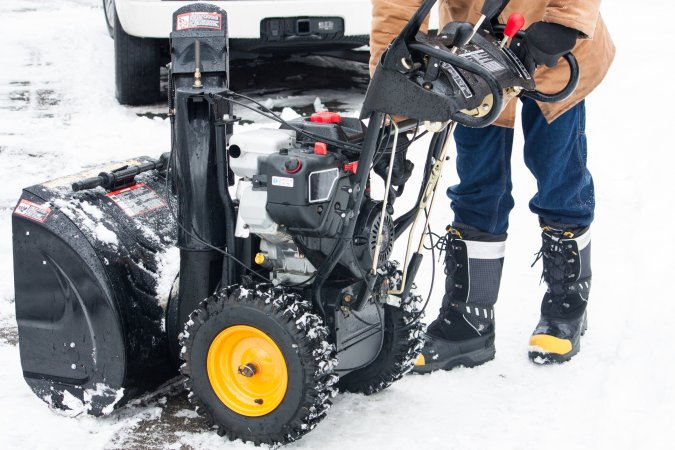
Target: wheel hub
(247, 370)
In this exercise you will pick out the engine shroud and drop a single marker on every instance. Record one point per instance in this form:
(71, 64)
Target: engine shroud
(305, 186)
(306, 192)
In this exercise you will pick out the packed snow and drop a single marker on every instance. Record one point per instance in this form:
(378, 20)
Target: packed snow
(90, 219)
(169, 265)
(58, 116)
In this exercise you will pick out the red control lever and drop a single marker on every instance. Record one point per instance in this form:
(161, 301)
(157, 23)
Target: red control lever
(513, 26)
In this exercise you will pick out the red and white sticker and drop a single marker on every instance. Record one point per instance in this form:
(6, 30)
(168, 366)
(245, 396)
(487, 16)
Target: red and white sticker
(137, 199)
(209, 20)
(32, 211)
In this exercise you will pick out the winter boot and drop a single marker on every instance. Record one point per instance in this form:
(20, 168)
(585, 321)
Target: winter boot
(464, 332)
(566, 256)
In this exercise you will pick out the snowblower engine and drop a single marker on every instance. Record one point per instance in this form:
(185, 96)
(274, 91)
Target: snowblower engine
(293, 194)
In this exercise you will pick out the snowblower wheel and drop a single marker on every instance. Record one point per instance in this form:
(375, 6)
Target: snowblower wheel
(402, 343)
(258, 364)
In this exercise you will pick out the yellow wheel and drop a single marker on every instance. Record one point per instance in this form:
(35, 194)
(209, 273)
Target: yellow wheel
(258, 362)
(247, 370)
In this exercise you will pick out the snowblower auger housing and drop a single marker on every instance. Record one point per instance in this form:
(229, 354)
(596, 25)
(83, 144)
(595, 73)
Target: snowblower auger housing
(88, 270)
(286, 291)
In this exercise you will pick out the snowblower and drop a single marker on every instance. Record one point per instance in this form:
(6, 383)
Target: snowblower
(285, 291)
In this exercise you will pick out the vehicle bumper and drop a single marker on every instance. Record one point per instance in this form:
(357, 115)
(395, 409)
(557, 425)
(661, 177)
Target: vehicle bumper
(153, 18)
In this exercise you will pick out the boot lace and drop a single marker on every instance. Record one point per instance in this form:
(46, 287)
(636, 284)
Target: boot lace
(558, 262)
(445, 244)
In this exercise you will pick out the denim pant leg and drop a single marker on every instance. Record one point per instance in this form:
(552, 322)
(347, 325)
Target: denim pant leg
(556, 155)
(482, 199)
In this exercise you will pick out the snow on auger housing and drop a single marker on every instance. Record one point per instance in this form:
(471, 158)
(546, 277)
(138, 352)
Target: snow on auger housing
(286, 292)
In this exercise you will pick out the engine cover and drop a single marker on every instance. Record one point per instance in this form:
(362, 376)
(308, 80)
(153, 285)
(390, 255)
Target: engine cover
(248, 150)
(307, 192)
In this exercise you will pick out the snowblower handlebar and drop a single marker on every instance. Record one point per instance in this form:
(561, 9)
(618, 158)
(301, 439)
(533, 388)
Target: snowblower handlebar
(120, 177)
(564, 92)
(464, 73)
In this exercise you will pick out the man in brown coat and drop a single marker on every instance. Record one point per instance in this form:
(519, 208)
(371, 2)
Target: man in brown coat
(555, 153)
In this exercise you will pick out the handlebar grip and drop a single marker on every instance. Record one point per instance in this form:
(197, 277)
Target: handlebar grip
(566, 91)
(88, 183)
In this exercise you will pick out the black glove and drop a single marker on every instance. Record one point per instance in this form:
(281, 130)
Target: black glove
(544, 43)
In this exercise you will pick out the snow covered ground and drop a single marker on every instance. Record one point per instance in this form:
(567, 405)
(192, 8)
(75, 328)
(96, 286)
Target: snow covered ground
(58, 115)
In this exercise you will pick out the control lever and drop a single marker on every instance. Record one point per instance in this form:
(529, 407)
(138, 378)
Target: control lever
(462, 37)
(513, 26)
(121, 177)
(198, 65)
(490, 9)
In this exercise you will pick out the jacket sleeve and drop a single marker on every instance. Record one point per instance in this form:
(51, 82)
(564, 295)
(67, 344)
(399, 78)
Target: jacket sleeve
(389, 18)
(582, 15)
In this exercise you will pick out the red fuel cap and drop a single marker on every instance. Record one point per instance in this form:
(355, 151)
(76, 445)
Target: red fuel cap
(325, 117)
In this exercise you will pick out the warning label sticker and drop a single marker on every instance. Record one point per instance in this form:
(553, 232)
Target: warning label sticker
(282, 181)
(459, 81)
(188, 21)
(137, 199)
(515, 59)
(482, 58)
(32, 211)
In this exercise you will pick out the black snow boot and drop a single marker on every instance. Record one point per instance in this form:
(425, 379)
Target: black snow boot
(566, 256)
(464, 332)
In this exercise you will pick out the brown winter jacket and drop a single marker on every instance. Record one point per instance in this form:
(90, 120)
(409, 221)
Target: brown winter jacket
(594, 51)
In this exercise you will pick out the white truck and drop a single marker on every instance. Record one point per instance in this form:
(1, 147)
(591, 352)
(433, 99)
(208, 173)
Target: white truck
(141, 30)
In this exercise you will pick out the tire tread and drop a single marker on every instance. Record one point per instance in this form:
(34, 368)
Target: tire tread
(297, 318)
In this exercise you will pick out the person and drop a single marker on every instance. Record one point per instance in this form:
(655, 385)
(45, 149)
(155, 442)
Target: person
(555, 153)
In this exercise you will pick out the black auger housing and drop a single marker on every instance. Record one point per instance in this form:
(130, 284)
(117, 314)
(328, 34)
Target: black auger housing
(92, 275)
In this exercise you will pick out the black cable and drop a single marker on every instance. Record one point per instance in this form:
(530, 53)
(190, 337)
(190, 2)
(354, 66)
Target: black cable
(402, 147)
(381, 149)
(171, 289)
(404, 220)
(268, 113)
(433, 276)
(302, 283)
(379, 314)
(275, 117)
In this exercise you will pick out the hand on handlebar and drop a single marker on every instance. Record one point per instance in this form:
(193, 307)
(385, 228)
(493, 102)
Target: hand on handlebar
(544, 44)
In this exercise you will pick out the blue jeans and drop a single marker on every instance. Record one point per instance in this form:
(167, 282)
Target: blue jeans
(555, 154)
